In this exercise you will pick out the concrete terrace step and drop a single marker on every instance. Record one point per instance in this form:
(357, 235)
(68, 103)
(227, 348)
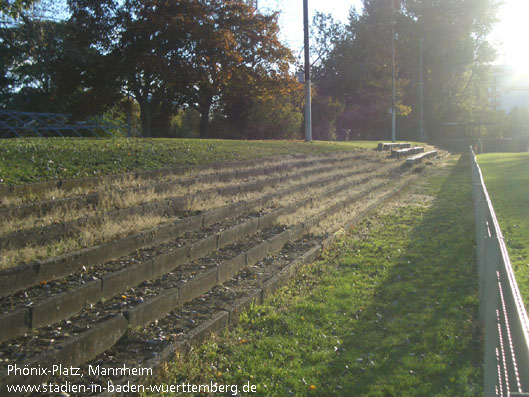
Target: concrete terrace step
(69, 303)
(392, 145)
(85, 346)
(69, 184)
(419, 157)
(170, 206)
(92, 199)
(199, 288)
(398, 153)
(27, 275)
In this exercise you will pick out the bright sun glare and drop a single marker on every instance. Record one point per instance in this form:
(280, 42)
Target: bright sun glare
(511, 35)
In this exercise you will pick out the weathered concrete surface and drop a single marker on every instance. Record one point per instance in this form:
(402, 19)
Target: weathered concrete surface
(153, 309)
(65, 305)
(257, 253)
(197, 286)
(14, 324)
(228, 269)
(217, 323)
(116, 282)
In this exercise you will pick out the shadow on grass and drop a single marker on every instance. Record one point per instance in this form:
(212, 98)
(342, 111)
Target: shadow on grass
(390, 311)
(418, 335)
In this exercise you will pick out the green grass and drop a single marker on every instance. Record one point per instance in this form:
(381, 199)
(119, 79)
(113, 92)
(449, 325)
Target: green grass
(507, 179)
(391, 310)
(31, 160)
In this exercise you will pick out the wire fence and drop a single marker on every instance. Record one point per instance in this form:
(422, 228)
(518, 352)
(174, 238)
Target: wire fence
(502, 312)
(16, 124)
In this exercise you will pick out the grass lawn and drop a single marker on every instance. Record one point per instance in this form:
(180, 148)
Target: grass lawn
(507, 180)
(35, 159)
(391, 310)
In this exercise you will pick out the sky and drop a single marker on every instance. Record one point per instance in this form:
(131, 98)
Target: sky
(291, 18)
(510, 37)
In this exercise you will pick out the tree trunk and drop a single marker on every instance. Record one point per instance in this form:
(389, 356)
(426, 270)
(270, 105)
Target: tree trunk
(204, 110)
(145, 116)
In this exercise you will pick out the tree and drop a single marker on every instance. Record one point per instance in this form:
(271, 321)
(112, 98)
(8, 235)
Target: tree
(171, 55)
(357, 72)
(13, 9)
(232, 50)
(136, 43)
(326, 111)
(30, 53)
(185, 124)
(457, 57)
(517, 123)
(324, 33)
(33, 42)
(264, 107)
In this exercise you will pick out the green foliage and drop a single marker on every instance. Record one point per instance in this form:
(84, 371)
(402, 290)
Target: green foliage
(262, 109)
(224, 59)
(389, 311)
(119, 114)
(457, 57)
(507, 180)
(186, 54)
(325, 112)
(456, 64)
(498, 124)
(324, 32)
(14, 8)
(274, 119)
(358, 70)
(29, 54)
(517, 123)
(167, 56)
(186, 124)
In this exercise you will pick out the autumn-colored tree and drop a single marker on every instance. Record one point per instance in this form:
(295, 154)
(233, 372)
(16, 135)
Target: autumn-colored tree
(189, 53)
(135, 43)
(232, 50)
(261, 107)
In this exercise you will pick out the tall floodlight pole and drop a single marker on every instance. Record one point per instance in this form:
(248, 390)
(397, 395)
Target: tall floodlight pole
(421, 103)
(308, 116)
(393, 110)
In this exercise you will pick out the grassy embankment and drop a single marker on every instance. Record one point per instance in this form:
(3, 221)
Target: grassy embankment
(507, 180)
(32, 160)
(391, 310)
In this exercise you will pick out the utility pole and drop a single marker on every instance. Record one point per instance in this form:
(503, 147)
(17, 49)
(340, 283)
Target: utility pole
(421, 103)
(393, 110)
(308, 116)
